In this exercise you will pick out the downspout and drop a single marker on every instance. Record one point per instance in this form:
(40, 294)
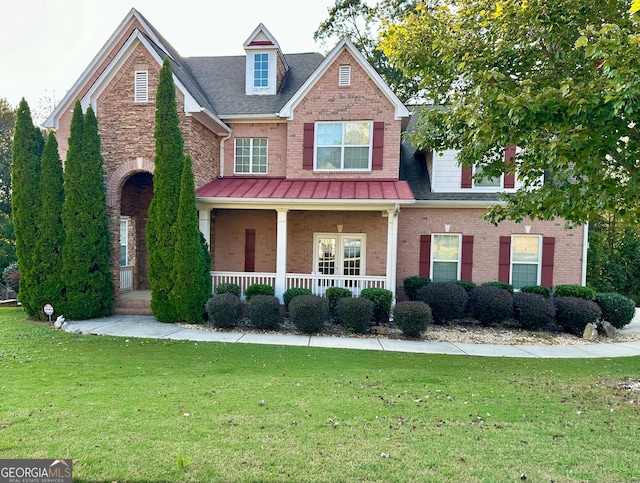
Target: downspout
(585, 248)
(222, 141)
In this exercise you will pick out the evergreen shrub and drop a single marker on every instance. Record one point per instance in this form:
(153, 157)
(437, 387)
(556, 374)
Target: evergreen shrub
(447, 300)
(538, 289)
(265, 312)
(491, 304)
(308, 313)
(233, 288)
(412, 284)
(224, 310)
(466, 284)
(294, 292)
(355, 313)
(333, 295)
(534, 311)
(382, 300)
(503, 285)
(258, 289)
(412, 317)
(617, 309)
(574, 313)
(579, 291)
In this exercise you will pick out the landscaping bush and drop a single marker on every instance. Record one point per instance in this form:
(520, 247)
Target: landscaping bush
(333, 295)
(491, 304)
(224, 310)
(503, 285)
(574, 313)
(412, 317)
(308, 313)
(289, 294)
(228, 288)
(447, 300)
(382, 300)
(617, 309)
(538, 289)
(579, 291)
(468, 285)
(355, 313)
(265, 312)
(411, 285)
(258, 289)
(534, 311)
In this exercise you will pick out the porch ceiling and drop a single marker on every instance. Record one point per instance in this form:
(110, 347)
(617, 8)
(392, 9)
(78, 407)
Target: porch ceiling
(272, 189)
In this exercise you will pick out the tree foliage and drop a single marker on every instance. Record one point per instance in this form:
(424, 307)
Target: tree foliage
(7, 237)
(163, 210)
(25, 202)
(559, 79)
(359, 22)
(86, 252)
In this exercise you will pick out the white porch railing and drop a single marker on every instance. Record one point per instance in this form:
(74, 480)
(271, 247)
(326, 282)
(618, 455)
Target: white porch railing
(317, 283)
(126, 278)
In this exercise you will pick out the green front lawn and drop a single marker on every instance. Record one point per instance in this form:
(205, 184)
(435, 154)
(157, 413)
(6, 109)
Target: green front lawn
(133, 410)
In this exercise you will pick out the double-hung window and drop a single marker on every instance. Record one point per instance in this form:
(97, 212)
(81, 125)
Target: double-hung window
(251, 155)
(445, 257)
(526, 251)
(261, 70)
(343, 146)
(485, 182)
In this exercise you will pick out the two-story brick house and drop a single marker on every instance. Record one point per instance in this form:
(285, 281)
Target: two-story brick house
(302, 177)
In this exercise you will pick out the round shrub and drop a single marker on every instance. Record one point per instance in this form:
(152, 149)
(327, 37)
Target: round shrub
(333, 295)
(382, 300)
(228, 288)
(294, 292)
(411, 285)
(579, 291)
(534, 311)
(446, 299)
(224, 310)
(574, 313)
(468, 285)
(412, 317)
(503, 285)
(258, 289)
(491, 304)
(308, 313)
(538, 289)
(617, 309)
(355, 313)
(265, 312)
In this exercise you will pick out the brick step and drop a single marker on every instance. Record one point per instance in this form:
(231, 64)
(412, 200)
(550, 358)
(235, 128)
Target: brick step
(132, 307)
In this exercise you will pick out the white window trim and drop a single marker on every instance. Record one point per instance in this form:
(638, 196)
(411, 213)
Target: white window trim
(486, 188)
(342, 170)
(270, 89)
(339, 244)
(538, 263)
(344, 75)
(141, 86)
(251, 171)
(433, 246)
(124, 222)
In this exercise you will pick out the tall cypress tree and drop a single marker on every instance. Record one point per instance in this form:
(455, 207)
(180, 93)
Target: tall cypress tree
(48, 246)
(163, 210)
(85, 255)
(25, 201)
(191, 289)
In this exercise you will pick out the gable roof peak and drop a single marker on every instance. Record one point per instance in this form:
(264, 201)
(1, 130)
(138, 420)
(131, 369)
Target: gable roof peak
(261, 38)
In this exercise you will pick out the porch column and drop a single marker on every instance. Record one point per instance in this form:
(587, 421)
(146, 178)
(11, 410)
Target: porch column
(281, 253)
(204, 223)
(392, 249)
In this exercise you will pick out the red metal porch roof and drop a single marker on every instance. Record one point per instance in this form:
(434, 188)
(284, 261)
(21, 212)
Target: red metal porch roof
(281, 188)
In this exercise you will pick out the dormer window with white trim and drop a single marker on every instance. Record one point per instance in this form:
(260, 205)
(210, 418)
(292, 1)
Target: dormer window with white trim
(344, 77)
(141, 86)
(261, 70)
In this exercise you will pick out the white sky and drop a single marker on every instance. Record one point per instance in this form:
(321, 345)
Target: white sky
(45, 45)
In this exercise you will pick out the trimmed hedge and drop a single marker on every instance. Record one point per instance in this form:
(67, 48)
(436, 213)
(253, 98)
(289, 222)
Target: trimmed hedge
(258, 289)
(503, 285)
(382, 300)
(447, 300)
(308, 313)
(265, 312)
(538, 289)
(333, 295)
(579, 291)
(411, 285)
(466, 284)
(355, 314)
(224, 310)
(574, 313)
(412, 317)
(289, 294)
(228, 288)
(534, 311)
(617, 309)
(491, 304)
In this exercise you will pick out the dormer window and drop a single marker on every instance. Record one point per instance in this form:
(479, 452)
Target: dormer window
(344, 78)
(261, 70)
(141, 86)
(266, 67)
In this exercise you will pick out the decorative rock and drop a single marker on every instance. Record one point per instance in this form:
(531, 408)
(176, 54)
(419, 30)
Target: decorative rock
(590, 332)
(608, 329)
(58, 323)
(65, 327)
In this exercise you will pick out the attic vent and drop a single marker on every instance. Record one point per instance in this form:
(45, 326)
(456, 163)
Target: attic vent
(141, 87)
(345, 75)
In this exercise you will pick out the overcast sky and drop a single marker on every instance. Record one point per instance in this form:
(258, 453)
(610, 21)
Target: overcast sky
(45, 45)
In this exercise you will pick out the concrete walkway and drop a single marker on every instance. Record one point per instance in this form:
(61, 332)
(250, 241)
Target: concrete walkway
(144, 326)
